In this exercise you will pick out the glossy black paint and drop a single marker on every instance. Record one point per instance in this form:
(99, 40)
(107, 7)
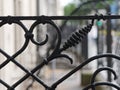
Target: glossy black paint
(74, 39)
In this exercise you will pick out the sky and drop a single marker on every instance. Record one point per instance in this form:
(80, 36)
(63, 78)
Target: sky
(65, 2)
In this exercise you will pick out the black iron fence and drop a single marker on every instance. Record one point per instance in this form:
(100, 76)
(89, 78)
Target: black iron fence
(73, 40)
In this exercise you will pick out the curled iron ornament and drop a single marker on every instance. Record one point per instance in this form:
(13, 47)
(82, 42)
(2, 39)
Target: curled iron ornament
(28, 36)
(26, 42)
(103, 69)
(31, 31)
(43, 21)
(98, 71)
(56, 52)
(82, 65)
(102, 84)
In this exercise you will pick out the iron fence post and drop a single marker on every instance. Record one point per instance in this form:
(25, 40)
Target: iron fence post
(109, 42)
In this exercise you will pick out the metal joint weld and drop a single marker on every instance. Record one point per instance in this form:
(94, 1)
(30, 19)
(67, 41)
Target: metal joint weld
(29, 35)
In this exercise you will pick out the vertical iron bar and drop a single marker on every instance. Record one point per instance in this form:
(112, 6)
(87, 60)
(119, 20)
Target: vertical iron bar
(109, 43)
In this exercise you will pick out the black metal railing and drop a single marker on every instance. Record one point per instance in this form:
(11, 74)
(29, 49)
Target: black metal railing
(74, 39)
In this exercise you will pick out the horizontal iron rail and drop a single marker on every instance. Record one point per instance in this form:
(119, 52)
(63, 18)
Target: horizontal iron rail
(62, 17)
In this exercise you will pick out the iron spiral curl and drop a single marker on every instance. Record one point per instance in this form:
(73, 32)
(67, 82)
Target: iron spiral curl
(77, 36)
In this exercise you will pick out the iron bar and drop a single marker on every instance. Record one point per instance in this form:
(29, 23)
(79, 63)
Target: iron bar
(102, 84)
(83, 64)
(109, 42)
(75, 38)
(89, 17)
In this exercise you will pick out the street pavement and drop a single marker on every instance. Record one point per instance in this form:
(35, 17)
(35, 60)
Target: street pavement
(72, 83)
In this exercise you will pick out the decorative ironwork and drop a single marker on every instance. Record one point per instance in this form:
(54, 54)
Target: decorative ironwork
(74, 39)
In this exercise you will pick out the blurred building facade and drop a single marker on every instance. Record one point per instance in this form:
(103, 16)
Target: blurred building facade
(12, 36)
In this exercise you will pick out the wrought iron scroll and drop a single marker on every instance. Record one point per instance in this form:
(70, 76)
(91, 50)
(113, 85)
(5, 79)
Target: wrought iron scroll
(74, 39)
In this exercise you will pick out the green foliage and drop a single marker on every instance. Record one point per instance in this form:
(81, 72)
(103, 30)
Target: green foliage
(110, 1)
(87, 8)
(69, 8)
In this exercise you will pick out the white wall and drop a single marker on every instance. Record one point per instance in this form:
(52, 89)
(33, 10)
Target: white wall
(12, 37)
(7, 40)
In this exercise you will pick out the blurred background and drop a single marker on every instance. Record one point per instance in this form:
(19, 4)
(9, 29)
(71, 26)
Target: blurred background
(103, 38)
